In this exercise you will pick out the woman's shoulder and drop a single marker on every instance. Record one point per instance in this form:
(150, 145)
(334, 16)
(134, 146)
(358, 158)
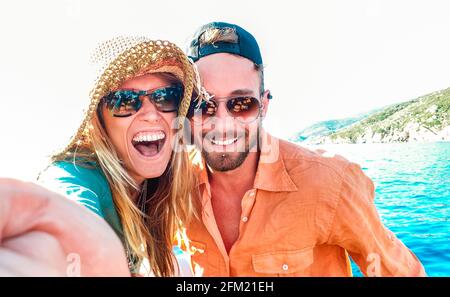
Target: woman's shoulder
(83, 182)
(82, 170)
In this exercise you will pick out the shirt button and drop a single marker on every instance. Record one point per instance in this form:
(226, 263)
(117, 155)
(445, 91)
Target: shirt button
(285, 267)
(245, 219)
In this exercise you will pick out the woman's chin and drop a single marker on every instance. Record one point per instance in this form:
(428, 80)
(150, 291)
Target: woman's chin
(153, 173)
(151, 168)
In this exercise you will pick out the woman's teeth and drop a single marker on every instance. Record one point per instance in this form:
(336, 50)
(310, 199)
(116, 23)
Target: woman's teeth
(149, 136)
(224, 142)
(149, 143)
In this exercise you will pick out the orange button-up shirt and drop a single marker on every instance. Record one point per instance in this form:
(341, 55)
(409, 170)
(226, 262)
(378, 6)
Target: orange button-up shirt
(306, 212)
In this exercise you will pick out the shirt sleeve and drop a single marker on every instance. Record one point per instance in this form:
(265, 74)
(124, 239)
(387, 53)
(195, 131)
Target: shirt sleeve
(357, 228)
(77, 183)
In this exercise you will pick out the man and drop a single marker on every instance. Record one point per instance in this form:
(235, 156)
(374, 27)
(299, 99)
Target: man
(44, 234)
(269, 207)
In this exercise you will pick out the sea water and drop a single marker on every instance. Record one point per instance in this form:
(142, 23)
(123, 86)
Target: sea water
(412, 183)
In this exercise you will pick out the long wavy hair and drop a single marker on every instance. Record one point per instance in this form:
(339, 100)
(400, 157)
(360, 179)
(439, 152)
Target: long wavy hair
(164, 204)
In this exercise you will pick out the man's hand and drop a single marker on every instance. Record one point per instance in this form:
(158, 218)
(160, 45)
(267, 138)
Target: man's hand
(45, 234)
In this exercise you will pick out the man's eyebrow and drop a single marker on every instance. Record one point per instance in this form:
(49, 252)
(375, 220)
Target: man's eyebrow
(242, 92)
(237, 92)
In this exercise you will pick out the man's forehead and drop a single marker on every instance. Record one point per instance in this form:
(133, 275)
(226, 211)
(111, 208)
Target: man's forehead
(226, 73)
(221, 59)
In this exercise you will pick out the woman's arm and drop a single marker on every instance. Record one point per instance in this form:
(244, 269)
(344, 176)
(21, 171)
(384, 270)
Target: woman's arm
(41, 233)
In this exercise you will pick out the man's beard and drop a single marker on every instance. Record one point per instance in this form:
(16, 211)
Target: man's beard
(226, 161)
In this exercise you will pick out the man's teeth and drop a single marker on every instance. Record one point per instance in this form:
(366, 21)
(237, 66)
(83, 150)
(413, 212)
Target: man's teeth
(223, 142)
(149, 136)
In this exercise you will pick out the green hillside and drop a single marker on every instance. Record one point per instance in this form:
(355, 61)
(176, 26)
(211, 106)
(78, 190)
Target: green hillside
(429, 113)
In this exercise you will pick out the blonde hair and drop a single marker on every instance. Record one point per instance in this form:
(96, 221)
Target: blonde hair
(213, 35)
(228, 35)
(149, 232)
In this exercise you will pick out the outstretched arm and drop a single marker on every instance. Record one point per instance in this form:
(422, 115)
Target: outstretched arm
(44, 234)
(357, 228)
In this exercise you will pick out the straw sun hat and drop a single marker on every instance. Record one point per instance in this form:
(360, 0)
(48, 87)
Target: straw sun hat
(122, 58)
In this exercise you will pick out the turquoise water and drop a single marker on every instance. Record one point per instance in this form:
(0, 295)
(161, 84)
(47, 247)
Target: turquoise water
(412, 195)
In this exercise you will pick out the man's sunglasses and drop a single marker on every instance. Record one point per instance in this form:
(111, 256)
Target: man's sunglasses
(245, 109)
(124, 103)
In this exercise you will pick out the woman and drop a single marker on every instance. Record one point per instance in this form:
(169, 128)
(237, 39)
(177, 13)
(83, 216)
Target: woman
(125, 162)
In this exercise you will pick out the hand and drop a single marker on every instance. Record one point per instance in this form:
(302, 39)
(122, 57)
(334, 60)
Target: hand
(45, 234)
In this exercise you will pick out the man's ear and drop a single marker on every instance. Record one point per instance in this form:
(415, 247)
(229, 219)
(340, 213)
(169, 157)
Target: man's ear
(265, 102)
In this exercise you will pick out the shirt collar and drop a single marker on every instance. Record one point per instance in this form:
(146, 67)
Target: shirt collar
(271, 174)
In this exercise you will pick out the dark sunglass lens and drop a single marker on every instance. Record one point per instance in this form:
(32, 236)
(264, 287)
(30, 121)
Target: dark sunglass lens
(167, 99)
(209, 108)
(205, 111)
(244, 108)
(123, 103)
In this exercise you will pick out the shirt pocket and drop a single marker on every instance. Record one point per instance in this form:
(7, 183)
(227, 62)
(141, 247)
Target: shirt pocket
(284, 263)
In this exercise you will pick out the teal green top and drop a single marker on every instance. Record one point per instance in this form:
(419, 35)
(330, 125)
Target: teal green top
(87, 186)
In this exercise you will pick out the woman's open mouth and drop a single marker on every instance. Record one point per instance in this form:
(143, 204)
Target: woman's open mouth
(149, 143)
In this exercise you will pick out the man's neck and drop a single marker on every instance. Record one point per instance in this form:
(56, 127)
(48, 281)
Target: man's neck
(227, 190)
(237, 181)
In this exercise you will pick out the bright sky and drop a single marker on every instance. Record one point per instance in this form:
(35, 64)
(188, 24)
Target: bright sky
(324, 59)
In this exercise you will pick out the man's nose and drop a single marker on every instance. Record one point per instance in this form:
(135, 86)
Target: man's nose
(221, 112)
(222, 120)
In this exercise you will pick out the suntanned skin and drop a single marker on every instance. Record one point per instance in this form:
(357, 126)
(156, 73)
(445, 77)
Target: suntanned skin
(227, 192)
(224, 75)
(148, 118)
(45, 234)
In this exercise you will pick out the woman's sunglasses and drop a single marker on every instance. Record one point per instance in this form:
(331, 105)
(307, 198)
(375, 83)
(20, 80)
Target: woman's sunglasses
(245, 109)
(124, 103)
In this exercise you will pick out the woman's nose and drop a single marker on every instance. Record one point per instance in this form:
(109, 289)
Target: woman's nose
(148, 110)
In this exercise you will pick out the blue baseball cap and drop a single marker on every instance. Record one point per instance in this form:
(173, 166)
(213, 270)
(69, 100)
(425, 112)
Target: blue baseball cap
(246, 45)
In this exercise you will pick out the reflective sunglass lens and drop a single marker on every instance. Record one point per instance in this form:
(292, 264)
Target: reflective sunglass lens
(244, 108)
(167, 99)
(209, 108)
(123, 103)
